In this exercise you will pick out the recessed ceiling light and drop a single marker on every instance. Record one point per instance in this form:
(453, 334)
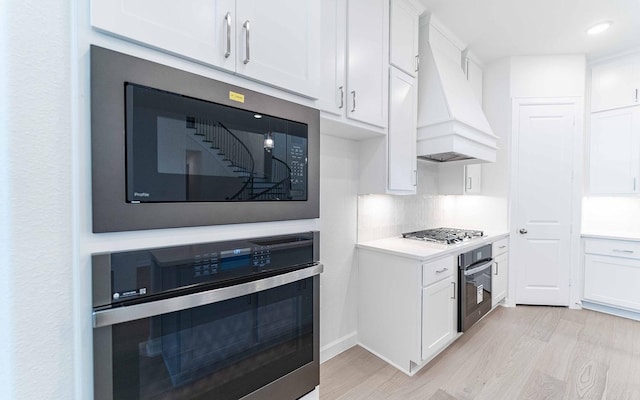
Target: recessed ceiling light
(599, 28)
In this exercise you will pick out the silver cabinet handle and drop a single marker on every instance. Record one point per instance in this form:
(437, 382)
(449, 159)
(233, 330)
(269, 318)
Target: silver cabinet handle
(634, 183)
(353, 93)
(503, 246)
(623, 251)
(523, 231)
(247, 28)
(341, 89)
(418, 64)
(227, 18)
(415, 177)
(442, 270)
(636, 95)
(470, 183)
(453, 284)
(497, 266)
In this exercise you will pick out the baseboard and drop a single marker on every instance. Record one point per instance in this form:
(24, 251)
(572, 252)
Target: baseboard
(339, 345)
(620, 312)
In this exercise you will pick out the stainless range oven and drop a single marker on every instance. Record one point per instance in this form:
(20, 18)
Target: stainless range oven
(474, 286)
(223, 320)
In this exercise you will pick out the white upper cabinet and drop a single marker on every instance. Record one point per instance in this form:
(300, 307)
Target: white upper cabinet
(275, 42)
(403, 110)
(614, 158)
(615, 84)
(404, 35)
(355, 64)
(456, 179)
(279, 43)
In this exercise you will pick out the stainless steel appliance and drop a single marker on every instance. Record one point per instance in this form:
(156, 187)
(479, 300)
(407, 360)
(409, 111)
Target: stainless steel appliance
(444, 235)
(224, 320)
(474, 286)
(174, 149)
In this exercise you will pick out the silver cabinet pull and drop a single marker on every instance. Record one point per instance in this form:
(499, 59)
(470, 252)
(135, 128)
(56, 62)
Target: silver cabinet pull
(470, 183)
(227, 18)
(634, 183)
(453, 284)
(353, 93)
(503, 246)
(441, 270)
(247, 28)
(341, 89)
(623, 251)
(496, 267)
(418, 65)
(636, 95)
(523, 231)
(415, 177)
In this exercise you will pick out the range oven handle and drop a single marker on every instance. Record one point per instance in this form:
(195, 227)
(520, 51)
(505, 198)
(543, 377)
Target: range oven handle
(145, 310)
(478, 269)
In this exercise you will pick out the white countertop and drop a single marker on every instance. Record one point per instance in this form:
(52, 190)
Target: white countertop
(423, 251)
(613, 235)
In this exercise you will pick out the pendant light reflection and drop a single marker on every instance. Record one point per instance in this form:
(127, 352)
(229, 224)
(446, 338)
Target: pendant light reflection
(268, 142)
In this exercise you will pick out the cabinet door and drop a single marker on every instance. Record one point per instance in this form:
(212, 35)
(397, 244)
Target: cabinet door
(332, 64)
(368, 61)
(614, 160)
(202, 30)
(473, 179)
(278, 42)
(499, 278)
(612, 280)
(439, 323)
(615, 84)
(404, 35)
(402, 165)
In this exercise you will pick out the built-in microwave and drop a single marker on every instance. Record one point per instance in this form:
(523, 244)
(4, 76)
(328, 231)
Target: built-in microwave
(174, 149)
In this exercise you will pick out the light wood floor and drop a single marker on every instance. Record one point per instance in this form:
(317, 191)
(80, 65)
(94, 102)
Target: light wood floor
(517, 353)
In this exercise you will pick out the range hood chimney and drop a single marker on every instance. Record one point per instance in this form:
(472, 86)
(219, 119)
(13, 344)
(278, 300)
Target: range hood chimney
(451, 124)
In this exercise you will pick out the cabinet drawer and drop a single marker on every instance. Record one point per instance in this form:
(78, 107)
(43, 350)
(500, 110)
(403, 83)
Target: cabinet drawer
(615, 248)
(500, 246)
(435, 271)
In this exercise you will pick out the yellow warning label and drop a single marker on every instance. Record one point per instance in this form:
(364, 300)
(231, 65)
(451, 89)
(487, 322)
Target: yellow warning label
(236, 97)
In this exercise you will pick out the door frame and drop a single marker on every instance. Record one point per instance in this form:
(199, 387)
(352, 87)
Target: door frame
(577, 183)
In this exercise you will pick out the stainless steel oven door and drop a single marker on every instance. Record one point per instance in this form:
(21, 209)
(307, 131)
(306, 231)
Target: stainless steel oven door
(475, 293)
(257, 340)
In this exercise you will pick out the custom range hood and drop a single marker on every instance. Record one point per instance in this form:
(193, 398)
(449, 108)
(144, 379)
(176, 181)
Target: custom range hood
(451, 124)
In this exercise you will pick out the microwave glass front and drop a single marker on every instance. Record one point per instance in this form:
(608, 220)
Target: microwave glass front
(182, 149)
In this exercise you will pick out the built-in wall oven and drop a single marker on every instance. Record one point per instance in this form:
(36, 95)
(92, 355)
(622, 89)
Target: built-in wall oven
(222, 320)
(474, 286)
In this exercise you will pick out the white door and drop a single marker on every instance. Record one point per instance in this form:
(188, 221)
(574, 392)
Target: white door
(279, 43)
(202, 30)
(543, 135)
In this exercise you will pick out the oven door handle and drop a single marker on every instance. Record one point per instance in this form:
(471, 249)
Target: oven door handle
(145, 310)
(480, 268)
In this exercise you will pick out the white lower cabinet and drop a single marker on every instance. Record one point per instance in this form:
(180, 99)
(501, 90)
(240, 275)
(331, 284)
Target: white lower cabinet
(612, 273)
(407, 309)
(439, 322)
(500, 252)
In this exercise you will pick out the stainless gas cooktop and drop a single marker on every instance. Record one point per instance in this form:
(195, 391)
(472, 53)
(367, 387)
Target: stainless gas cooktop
(444, 235)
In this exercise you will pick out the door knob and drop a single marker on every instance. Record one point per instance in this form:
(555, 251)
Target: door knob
(523, 231)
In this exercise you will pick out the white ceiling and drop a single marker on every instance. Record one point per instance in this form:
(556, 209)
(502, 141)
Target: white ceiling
(498, 28)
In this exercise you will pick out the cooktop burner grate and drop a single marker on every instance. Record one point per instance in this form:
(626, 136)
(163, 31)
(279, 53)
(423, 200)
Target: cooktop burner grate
(444, 235)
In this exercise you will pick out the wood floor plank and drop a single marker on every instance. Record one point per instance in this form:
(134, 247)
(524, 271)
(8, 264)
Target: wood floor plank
(525, 352)
(542, 386)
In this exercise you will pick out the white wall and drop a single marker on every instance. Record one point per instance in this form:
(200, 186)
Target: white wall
(36, 191)
(338, 227)
(548, 76)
